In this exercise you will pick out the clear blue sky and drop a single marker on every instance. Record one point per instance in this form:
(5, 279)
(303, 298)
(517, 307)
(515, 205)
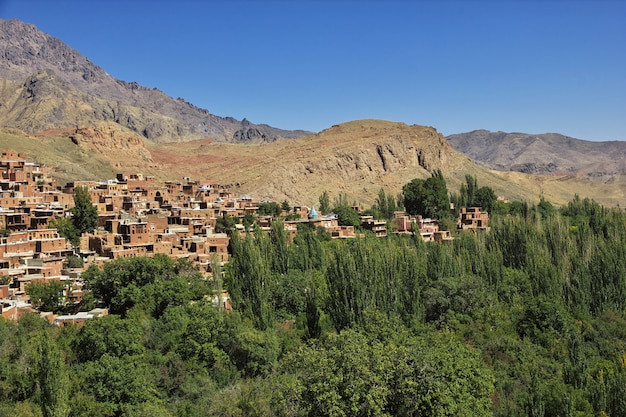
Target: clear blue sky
(518, 66)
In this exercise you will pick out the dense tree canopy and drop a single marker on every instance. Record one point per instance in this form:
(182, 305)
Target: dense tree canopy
(347, 216)
(528, 319)
(46, 296)
(428, 198)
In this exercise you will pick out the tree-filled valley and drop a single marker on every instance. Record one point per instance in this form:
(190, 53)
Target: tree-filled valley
(526, 319)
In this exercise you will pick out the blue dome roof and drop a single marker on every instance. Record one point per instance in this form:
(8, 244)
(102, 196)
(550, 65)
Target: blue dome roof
(313, 213)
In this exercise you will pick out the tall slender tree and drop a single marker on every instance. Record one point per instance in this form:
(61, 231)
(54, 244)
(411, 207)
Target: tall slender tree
(85, 214)
(52, 377)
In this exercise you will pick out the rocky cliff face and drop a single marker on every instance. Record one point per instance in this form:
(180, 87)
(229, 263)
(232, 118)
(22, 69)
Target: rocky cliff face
(47, 84)
(121, 148)
(356, 158)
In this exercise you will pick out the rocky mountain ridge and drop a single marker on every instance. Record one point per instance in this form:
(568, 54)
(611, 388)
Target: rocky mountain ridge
(47, 84)
(359, 158)
(546, 153)
(355, 159)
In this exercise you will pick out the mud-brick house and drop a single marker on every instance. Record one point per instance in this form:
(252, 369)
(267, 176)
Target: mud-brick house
(217, 244)
(157, 223)
(48, 242)
(473, 218)
(113, 187)
(428, 228)
(341, 232)
(135, 180)
(190, 188)
(41, 216)
(15, 221)
(58, 199)
(118, 251)
(79, 318)
(303, 211)
(14, 167)
(14, 309)
(15, 247)
(39, 270)
(135, 232)
(403, 223)
(98, 242)
(194, 219)
(330, 223)
(174, 187)
(109, 203)
(72, 185)
(379, 228)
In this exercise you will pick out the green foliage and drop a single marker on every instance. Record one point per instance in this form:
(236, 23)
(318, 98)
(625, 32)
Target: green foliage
(226, 223)
(428, 198)
(254, 352)
(324, 200)
(354, 374)
(485, 198)
(109, 335)
(545, 208)
(385, 205)
(269, 208)
(247, 221)
(52, 378)
(289, 294)
(369, 274)
(118, 383)
(284, 206)
(74, 261)
(66, 228)
(46, 296)
(248, 277)
(527, 319)
(84, 213)
(306, 252)
(292, 216)
(456, 301)
(347, 216)
(152, 284)
(342, 200)
(470, 195)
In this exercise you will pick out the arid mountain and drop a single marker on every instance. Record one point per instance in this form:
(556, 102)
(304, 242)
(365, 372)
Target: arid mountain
(46, 84)
(356, 158)
(542, 154)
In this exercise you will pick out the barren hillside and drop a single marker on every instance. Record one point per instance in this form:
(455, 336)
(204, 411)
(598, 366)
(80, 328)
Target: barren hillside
(543, 153)
(356, 158)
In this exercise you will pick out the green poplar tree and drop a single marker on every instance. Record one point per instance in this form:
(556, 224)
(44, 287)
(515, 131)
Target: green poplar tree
(324, 201)
(52, 377)
(85, 214)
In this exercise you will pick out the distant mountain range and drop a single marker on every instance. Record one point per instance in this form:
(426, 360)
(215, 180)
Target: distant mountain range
(46, 84)
(546, 153)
